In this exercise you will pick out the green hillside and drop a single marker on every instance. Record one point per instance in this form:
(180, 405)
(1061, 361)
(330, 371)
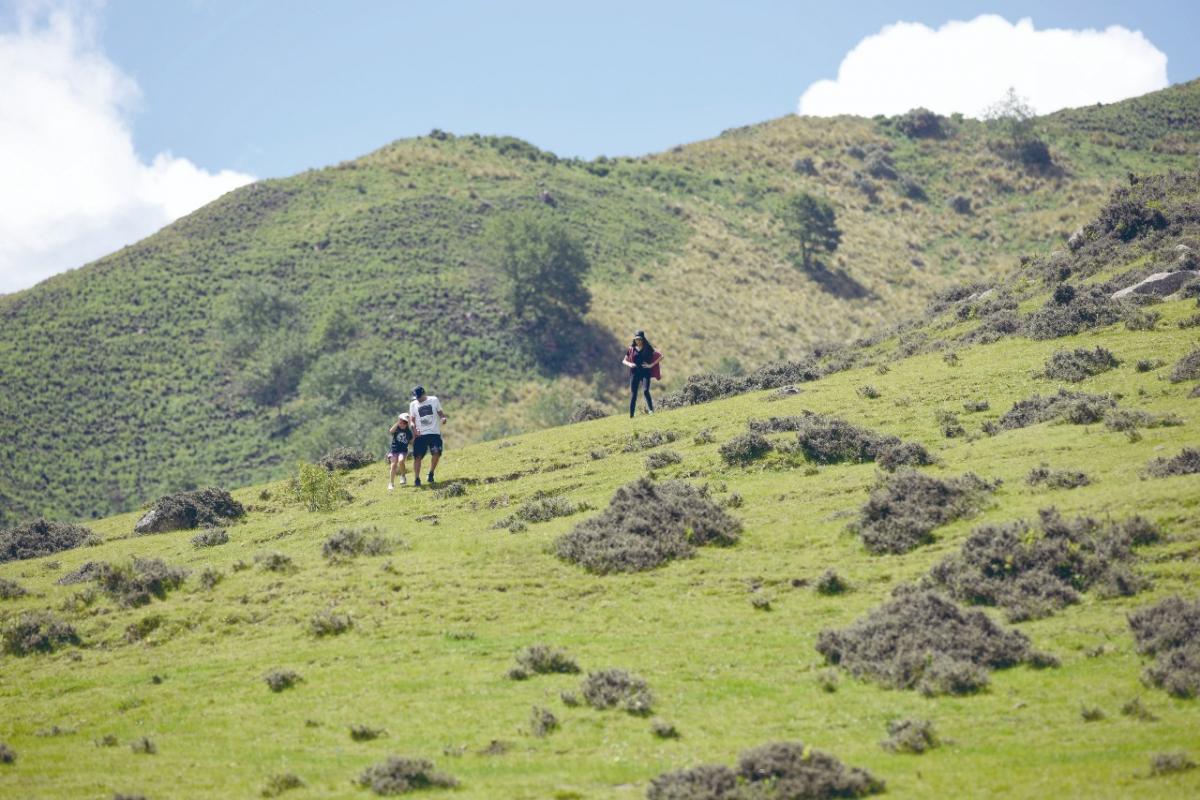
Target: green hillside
(168, 698)
(120, 381)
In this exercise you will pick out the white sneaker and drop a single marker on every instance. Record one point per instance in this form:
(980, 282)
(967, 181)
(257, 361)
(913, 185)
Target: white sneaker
(651, 412)
(403, 480)
(391, 487)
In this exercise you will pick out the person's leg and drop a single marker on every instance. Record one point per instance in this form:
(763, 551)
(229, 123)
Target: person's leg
(393, 458)
(417, 468)
(402, 461)
(649, 399)
(633, 390)
(434, 458)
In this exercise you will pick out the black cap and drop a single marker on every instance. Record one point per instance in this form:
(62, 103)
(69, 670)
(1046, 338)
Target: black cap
(640, 335)
(417, 392)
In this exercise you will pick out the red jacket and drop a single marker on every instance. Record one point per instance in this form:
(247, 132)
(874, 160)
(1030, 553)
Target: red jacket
(655, 368)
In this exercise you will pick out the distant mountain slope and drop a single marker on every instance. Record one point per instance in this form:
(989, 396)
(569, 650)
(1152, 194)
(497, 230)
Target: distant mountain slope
(119, 384)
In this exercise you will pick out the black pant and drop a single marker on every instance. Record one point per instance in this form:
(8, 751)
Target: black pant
(635, 381)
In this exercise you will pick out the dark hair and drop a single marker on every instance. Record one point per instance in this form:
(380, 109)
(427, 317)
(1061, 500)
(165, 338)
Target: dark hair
(645, 341)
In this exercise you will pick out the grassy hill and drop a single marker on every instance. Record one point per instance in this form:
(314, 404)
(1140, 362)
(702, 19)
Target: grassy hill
(726, 639)
(119, 379)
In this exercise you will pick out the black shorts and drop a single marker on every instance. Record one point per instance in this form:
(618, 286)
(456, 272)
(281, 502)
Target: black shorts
(429, 443)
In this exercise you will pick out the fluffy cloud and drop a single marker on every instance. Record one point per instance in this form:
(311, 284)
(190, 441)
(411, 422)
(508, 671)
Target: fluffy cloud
(965, 66)
(72, 187)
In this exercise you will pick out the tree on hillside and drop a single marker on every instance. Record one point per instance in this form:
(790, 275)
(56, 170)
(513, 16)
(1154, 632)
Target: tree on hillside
(1014, 119)
(812, 222)
(543, 267)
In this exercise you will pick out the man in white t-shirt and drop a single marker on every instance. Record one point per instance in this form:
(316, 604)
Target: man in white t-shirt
(425, 411)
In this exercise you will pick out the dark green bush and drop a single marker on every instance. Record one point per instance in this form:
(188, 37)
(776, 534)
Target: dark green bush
(345, 458)
(210, 537)
(646, 525)
(745, 448)
(42, 538)
(1187, 462)
(910, 736)
(1033, 570)
(542, 659)
(187, 510)
(1079, 364)
(905, 508)
(616, 688)
(280, 679)
(37, 632)
(1170, 630)
(921, 640)
(401, 775)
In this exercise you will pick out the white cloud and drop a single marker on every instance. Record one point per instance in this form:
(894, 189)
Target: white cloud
(965, 66)
(72, 187)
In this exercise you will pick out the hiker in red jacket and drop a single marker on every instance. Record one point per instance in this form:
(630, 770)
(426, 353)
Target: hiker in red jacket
(642, 360)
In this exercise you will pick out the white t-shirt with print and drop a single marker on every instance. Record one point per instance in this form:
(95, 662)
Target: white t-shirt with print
(425, 413)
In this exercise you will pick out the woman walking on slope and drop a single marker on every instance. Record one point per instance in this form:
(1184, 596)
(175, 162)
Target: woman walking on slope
(642, 360)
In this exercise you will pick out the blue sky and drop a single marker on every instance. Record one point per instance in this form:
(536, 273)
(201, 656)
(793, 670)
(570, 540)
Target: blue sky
(118, 117)
(271, 87)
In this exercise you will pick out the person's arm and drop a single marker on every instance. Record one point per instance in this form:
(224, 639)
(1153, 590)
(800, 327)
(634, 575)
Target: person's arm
(441, 414)
(626, 362)
(413, 420)
(658, 356)
(395, 427)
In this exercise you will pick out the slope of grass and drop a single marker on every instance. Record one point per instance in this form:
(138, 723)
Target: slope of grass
(118, 369)
(438, 623)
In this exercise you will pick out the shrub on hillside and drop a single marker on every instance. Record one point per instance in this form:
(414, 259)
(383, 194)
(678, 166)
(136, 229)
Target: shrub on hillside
(1186, 368)
(921, 640)
(1170, 763)
(585, 410)
(831, 583)
(328, 622)
(702, 388)
(186, 510)
(1187, 462)
(347, 543)
(37, 632)
(616, 688)
(921, 123)
(830, 440)
(42, 538)
(542, 659)
(402, 775)
(7, 754)
(365, 733)
(1170, 630)
(1033, 570)
(210, 537)
(745, 448)
(1057, 478)
(648, 524)
(662, 458)
(139, 581)
(776, 770)
(542, 722)
(541, 509)
(11, 590)
(1077, 408)
(317, 488)
(281, 782)
(274, 561)
(280, 679)
(1071, 311)
(910, 736)
(905, 508)
(87, 571)
(648, 440)
(344, 458)
(1078, 364)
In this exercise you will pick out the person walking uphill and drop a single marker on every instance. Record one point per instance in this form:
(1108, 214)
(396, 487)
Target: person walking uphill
(642, 360)
(425, 411)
